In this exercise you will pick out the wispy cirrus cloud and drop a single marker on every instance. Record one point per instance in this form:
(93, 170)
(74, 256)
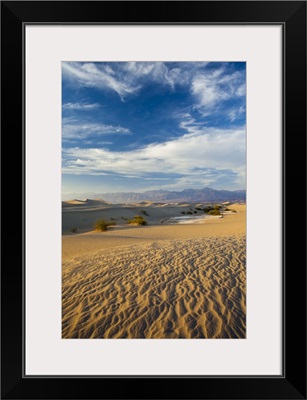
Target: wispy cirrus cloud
(80, 106)
(101, 77)
(208, 87)
(162, 73)
(212, 89)
(76, 129)
(129, 77)
(236, 113)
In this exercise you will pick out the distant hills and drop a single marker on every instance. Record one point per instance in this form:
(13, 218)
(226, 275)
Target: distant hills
(205, 195)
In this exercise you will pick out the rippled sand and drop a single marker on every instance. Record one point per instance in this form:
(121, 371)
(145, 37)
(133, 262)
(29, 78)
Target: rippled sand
(179, 288)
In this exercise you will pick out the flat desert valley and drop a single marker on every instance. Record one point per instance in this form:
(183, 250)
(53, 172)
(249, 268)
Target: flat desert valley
(183, 275)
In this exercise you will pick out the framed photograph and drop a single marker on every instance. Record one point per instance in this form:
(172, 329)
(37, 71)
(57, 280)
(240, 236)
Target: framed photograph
(161, 177)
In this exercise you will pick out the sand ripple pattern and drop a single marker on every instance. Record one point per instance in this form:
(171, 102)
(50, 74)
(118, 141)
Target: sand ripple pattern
(192, 288)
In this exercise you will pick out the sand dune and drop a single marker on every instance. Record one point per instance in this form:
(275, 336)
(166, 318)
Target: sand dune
(157, 281)
(82, 216)
(193, 288)
(85, 202)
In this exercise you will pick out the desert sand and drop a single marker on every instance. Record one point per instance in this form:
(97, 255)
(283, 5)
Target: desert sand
(163, 280)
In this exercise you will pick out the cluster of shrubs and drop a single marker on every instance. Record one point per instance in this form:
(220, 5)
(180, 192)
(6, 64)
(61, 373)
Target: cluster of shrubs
(211, 210)
(102, 225)
(137, 220)
(215, 210)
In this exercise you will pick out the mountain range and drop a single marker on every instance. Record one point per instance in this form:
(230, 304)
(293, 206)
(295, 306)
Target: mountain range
(205, 195)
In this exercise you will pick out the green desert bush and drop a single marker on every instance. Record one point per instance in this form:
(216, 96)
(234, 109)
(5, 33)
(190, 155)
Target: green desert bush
(207, 209)
(217, 207)
(102, 225)
(137, 220)
(189, 212)
(214, 212)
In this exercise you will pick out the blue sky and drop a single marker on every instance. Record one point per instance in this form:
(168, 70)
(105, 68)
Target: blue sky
(136, 126)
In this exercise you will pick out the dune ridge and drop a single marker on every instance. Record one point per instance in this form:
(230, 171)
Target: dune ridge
(179, 288)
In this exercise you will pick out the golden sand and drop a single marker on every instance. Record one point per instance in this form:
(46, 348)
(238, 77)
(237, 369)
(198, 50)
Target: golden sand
(158, 281)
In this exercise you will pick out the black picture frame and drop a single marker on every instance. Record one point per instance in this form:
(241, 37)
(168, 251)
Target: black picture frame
(292, 16)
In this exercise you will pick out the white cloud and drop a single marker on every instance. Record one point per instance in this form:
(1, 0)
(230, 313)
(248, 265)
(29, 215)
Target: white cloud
(159, 72)
(80, 106)
(241, 91)
(102, 77)
(232, 115)
(212, 88)
(191, 156)
(235, 113)
(96, 142)
(207, 91)
(129, 77)
(73, 129)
